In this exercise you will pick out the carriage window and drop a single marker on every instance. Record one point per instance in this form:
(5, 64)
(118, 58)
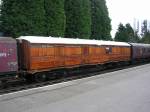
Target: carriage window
(108, 50)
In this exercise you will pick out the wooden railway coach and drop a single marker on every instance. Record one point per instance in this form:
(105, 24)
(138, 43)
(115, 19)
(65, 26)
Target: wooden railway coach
(140, 52)
(39, 54)
(37, 57)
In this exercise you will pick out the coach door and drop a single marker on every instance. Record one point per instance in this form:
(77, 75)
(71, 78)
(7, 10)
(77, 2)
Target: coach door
(59, 55)
(85, 55)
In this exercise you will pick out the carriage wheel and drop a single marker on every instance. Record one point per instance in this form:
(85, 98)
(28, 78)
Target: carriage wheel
(40, 77)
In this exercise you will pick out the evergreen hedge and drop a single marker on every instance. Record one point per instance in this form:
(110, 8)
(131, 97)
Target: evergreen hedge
(78, 18)
(55, 17)
(23, 17)
(101, 23)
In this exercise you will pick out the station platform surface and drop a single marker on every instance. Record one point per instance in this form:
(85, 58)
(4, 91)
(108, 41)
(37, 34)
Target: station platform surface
(126, 90)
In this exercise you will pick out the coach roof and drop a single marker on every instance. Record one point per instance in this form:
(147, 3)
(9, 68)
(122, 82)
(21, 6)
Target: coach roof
(59, 40)
(7, 40)
(140, 44)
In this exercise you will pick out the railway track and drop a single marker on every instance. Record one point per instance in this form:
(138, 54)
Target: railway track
(23, 85)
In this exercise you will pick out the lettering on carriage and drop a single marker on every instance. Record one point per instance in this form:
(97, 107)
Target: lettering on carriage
(12, 65)
(3, 55)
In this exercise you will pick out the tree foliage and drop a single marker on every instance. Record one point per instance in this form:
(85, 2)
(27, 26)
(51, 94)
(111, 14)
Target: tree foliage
(78, 18)
(69, 18)
(55, 17)
(33, 17)
(145, 32)
(144, 28)
(146, 38)
(23, 17)
(126, 34)
(101, 23)
(121, 34)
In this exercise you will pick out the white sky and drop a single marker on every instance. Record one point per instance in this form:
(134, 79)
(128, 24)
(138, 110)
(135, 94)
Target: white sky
(125, 11)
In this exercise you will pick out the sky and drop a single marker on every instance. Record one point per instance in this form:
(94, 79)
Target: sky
(126, 11)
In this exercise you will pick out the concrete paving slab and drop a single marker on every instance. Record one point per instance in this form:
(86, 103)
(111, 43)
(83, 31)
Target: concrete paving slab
(121, 91)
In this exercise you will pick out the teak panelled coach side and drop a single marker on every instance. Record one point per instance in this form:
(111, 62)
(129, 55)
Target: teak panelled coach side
(85, 55)
(119, 53)
(48, 53)
(72, 55)
(43, 56)
(40, 57)
(97, 55)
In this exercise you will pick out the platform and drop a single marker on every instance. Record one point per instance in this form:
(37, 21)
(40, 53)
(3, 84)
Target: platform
(121, 91)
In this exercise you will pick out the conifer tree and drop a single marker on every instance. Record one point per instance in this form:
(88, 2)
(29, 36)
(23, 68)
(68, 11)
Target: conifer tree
(146, 38)
(78, 18)
(145, 32)
(101, 23)
(126, 34)
(23, 17)
(121, 34)
(131, 35)
(55, 17)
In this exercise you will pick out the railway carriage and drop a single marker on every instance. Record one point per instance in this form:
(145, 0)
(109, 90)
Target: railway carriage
(8, 58)
(46, 53)
(40, 56)
(43, 54)
(117, 51)
(140, 52)
(108, 51)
